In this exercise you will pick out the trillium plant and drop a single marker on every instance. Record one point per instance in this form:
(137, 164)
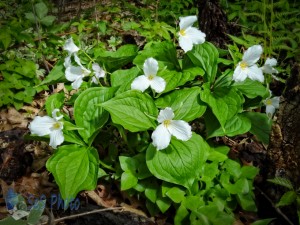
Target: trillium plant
(156, 112)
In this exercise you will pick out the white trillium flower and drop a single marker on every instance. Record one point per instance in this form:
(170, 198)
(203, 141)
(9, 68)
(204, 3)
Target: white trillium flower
(268, 66)
(46, 125)
(72, 50)
(247, 67)
(75, 74)
(271, 105)
(99, 72)
(188, 35)
(70, 47)
(161, 136)
(142, 82)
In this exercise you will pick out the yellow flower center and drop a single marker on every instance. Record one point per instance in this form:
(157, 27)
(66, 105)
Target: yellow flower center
(243, 65)
(151, 77)
(182, 32)
(167, 123)
(56, 125)
(268, 102)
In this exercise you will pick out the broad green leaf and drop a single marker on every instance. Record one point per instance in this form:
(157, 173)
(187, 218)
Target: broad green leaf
(181, 216)
(36, 212)
(216, 156)
(224, 102)
(206, 56)
(247, 202)
(164, 52)
(135, 165)
(176, 194)
(48, 20)
(30, 16)
(180, 163)
(87, 112)
(261, 125)
(185, 103)
(163, 203)
(75, 168)
(124, 78)
(251, 88)
(54, 101)
(239, 124)
(287, 198)
(282, 182)
(128, 180)
(72, 136)
(249, 172)
(134, 110)
(233, 168)
(151, 193)
(56, 75)
(41, 10)
(263, 222)
(116, 60)
(5, 38)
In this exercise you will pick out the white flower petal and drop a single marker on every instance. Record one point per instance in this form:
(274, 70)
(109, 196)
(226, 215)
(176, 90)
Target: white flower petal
(180, 129)
(41, 126)
(195, 35)
(165, 114)
(275, 102)
(161, 137)
(77, 60)
(99, 72)
(73, 72)
(150, 67)
(185, 43)
(270, 109)
(94, 80)
(158, 84)
(186, 22)
(67, 62)
(77, 83)
(54, 115)
(239, 74)
(56, 138)
(255, 73)
(140, 83)
(271, 62)
(70, 46)
(252, 54)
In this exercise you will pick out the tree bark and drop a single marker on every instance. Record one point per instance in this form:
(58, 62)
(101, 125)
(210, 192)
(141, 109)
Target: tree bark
(213, 22)
(284, 147)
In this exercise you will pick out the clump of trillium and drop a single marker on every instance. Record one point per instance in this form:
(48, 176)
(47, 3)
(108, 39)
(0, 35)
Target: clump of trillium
(188, 35)
(247, 67)
(271, 105)
(161, 136)
(75, 74)
(45, 125)
(150, 78)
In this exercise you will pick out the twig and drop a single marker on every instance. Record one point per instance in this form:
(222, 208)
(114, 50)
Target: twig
(274, 206)
(84, 214)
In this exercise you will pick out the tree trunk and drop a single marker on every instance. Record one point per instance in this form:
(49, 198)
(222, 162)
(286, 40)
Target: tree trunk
(284, 148)
(213, 22)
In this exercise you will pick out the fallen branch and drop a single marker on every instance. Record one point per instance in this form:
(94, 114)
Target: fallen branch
(83, 214)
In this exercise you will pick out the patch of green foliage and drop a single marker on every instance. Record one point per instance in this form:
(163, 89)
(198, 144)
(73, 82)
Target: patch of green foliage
(273, 23)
